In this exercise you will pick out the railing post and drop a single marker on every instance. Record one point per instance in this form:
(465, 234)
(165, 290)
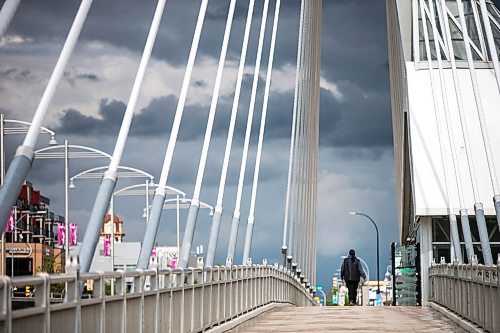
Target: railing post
(42, 299)
(121, 289)
(100, 292)
(73, 290)
(6, 304)
(139, 288)
(155, 285)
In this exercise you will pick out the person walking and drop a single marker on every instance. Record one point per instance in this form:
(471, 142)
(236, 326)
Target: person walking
(351, 272)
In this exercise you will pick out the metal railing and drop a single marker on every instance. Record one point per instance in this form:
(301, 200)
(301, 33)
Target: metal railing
(472, 291)
(190, 300)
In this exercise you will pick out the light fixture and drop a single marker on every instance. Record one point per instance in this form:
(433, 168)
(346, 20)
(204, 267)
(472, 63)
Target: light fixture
(52, 141)
(71, 184)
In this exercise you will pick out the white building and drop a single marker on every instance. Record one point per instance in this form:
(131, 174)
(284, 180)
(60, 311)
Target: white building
(432, 170)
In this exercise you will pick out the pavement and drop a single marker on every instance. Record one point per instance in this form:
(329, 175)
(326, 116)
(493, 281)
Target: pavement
(352, 318)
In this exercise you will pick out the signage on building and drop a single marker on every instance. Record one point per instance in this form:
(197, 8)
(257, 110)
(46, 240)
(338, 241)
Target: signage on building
(25, 251)
(406, 272)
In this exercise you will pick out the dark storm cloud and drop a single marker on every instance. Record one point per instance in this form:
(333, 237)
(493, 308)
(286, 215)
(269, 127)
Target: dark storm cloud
(126, 24)
(17, 74)
(357, 120)
(73, 76)
(354, 43)
(155, 119)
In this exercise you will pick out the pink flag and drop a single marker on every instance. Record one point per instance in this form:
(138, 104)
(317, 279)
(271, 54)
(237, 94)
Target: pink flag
(107, 246)
(173, 263)
(73, 234)
(10, 222)
(61, 234)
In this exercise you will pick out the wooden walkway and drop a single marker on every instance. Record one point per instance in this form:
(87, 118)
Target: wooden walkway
(341, 319)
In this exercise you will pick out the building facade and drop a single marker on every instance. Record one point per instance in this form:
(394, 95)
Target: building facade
(446, 125)
(30, 244)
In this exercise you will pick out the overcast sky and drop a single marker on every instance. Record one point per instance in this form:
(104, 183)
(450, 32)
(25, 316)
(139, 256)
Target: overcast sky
(356, 169)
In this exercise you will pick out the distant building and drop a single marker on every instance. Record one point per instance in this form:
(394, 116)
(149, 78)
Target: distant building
(107, 231)
(30, 242)
(164, 257)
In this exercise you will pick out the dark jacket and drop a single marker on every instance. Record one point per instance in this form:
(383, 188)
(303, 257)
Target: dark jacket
(351, 269)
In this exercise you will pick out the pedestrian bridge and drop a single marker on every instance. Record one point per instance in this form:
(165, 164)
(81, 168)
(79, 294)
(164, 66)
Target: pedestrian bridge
(462, 296)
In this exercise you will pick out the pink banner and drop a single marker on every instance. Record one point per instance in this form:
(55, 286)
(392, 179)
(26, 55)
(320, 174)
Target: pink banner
(73, 234)
(153, 252)
(61, 234)
(173, 263)
(10, 222)
(107, 246)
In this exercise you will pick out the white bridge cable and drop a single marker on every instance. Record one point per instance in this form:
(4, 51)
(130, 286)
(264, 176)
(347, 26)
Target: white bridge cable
(292, 239)
(7, 14)
(306, 146)
(481, 222)
(236, 214)
(307, 158)
(107, 186)
(21, 164)
(479, 103)
(157, 207)
(452, 143)
(297, 184)
(265, 104)
(292, 136)
(314, 178)
(214, 231)
(491, 41)
(182, 100)
(440, 127)
(458, 95)
(480, 113)
(297, 181)
(195, 201)
(488, 259)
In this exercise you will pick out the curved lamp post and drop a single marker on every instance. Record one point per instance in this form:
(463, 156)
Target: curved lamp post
(68, 152)
(378, 245)
(182, 203)
(123, 172)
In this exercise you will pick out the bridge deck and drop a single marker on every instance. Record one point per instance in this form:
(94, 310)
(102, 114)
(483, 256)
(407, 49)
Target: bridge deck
(361, 319)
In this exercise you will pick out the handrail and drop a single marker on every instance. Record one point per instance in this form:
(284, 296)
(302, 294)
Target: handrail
(470, 290)
(186, 300)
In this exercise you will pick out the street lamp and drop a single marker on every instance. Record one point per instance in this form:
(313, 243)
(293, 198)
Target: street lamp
(183, 203)
(123, 172)
(20, 127)
(135, 190)
(80, 152)
(378, 245)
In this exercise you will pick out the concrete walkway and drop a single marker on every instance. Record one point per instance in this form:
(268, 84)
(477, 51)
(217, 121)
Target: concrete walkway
(355, 318)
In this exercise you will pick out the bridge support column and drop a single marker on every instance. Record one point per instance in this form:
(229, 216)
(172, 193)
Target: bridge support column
(425, 255)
